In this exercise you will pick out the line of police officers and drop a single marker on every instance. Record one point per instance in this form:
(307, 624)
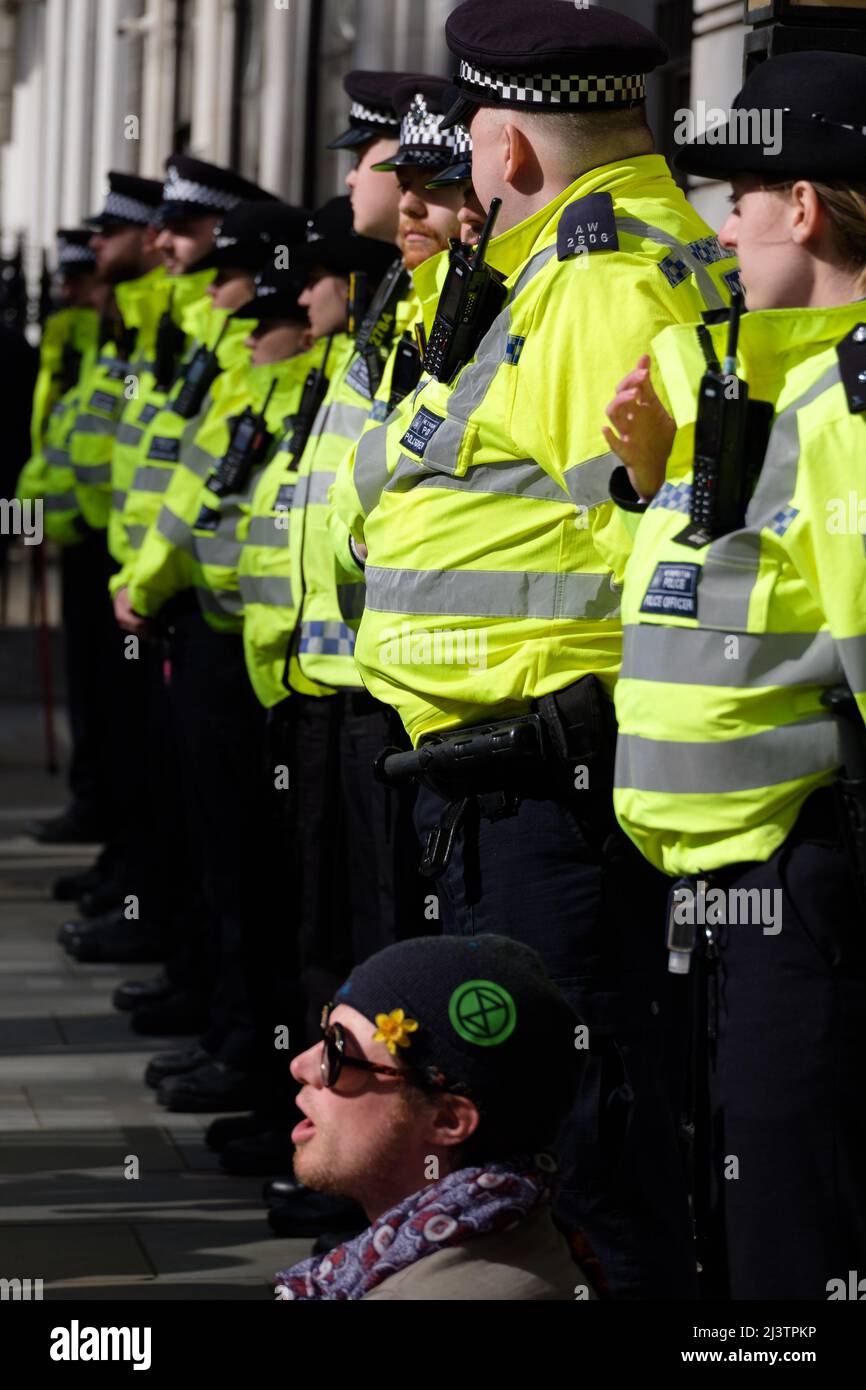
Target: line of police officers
(349, 503)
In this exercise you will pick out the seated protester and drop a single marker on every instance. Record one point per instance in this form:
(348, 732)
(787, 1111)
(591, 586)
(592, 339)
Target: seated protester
(409, 1108)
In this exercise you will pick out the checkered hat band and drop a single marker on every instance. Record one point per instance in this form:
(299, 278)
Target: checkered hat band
(369, 115)
(425, 133)
(178, 190)
(556, 89)
(127, 209)
(76, 255)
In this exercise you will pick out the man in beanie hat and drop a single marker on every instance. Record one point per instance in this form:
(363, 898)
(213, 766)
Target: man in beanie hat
(408, 1106)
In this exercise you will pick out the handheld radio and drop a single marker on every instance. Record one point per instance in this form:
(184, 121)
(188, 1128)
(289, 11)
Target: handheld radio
(357, 300)
(247, 448)
(315, 389)
(70, 366)
(169, 346)
(200, 375)
(731, 435)
(472, 296)
(373, 337)
(407, 370)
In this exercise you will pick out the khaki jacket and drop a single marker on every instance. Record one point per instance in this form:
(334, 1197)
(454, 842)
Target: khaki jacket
(529, 1264)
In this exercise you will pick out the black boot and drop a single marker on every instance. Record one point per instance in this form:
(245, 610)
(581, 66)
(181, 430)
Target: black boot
(166, 1064)
(211, 1088)
(133, 993)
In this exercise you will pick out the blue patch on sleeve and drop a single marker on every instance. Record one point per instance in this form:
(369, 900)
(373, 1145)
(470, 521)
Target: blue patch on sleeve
(513, 349)
(673, 591)
(674, 270)
(379, 411)
(421, 431)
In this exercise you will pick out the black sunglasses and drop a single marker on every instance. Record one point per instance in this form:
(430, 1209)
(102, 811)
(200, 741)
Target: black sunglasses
(334, 1058)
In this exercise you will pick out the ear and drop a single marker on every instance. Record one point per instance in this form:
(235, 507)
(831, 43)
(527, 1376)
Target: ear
(808, 219)
(517, 152)
(453, 1120)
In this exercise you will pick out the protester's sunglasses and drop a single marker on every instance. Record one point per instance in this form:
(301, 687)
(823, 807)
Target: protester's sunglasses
(334, 1058)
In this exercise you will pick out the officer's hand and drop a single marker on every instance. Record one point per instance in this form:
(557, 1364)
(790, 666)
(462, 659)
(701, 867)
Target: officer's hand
(127, 618)
(646, 431)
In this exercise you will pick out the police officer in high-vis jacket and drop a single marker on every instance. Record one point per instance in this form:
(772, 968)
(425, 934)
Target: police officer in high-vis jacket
(743, 690)
(495, 564)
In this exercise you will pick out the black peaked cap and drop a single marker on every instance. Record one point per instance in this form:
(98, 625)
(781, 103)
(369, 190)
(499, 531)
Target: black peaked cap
(548, 56)
(276, 296)
(372, 113)
(194, 188)
(424, 141)
(250, 234)
(803, 116)
(129, 202)
(332, 244)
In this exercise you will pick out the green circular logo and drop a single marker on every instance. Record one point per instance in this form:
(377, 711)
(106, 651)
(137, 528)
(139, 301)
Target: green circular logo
(482, 1013)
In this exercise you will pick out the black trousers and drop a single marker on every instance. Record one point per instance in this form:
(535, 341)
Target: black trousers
(91, 640)
(787, 1075)
(595, 913)
(228, 790)
(355, 848)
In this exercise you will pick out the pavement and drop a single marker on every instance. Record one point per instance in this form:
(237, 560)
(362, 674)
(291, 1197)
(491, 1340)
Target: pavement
(74, 1111)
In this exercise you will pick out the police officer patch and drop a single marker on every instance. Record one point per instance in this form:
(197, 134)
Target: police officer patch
(147, 413)
(102, 400)
(421, 431)
(587, 225)
(284, 497)
(673, 590)
(164, 449)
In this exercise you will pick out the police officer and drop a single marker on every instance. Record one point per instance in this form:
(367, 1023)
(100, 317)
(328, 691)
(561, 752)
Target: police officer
(495, 557)
(737, 623)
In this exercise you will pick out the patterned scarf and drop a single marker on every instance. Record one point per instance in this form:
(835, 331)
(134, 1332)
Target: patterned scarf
(467, 1203)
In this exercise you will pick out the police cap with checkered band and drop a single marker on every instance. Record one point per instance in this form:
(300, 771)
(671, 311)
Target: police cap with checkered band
(193, 188)
(461, 170)
(372, 115)
(129, 202)
(548, 55)
(423, 141)
(75, 255)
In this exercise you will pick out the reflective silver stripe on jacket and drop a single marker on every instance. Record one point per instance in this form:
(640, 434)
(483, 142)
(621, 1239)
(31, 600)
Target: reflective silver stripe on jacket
(265, 531)
(347, 420)
(492, 593)
(93, 424)
(118, 500)
(653, 652)
(211, 549)
(220, 603)
(58, 458)
(766, 759)
(128, 434)
(313, 489)
(272, 590)
(135, 535)
(633, 226)
(90, 473)
(60, 502)
(150, 478)
(173, 529)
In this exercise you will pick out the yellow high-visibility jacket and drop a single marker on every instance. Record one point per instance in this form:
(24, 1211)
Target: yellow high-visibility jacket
(728, 648)
(495, 553)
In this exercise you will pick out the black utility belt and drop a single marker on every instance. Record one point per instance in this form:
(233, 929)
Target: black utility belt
(573, 725)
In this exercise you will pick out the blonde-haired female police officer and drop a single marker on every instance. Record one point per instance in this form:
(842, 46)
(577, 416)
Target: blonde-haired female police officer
(744, 604)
